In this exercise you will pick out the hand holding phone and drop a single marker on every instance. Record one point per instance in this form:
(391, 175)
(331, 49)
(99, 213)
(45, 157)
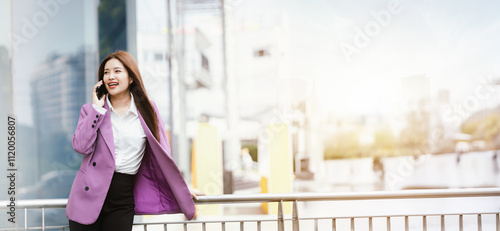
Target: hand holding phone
(100, 92)
(97, 96)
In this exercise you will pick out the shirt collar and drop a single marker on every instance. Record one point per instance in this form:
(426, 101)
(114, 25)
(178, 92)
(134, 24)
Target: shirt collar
(132, 107)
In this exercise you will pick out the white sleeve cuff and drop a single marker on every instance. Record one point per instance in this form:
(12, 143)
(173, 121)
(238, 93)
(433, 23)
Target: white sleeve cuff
(99, 109)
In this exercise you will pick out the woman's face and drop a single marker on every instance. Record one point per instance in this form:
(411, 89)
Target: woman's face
(116, 78)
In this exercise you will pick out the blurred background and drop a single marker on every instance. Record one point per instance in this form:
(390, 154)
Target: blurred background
(267, 96)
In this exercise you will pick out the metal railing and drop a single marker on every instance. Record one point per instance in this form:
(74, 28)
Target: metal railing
(280, 219)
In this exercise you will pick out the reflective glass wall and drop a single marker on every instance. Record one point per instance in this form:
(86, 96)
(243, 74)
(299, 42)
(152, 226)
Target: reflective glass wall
(55, 45)
(54, 61)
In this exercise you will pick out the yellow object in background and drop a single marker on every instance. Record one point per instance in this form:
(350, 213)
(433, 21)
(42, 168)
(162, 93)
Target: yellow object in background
(281, 171)
(263, 189)
(193, 165)
(207, 167)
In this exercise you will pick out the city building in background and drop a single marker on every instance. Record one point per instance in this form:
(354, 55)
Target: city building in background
(57, 94)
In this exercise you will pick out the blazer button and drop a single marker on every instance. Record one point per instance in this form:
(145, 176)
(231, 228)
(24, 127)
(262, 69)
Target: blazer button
(95, 121)
(92, 126)
(93, 164)
(96, 116)
(86, 188)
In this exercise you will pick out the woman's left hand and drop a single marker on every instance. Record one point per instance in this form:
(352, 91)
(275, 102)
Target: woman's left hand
(195, 193)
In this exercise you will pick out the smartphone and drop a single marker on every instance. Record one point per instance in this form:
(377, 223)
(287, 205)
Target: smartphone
(101, 91)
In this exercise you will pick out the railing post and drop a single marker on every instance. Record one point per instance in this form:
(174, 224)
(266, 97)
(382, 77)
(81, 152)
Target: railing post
(442, 223)
(498, 221)
(407, 224)
(295, 216)
(281, 224)
(479, 223)
(43, 218)
(461, 222)
(25, 219)
(425, 223)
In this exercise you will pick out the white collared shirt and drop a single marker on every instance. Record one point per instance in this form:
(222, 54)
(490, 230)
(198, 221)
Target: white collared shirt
(128, 136)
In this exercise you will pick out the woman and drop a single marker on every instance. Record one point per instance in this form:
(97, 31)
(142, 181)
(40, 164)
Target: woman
(127, 168)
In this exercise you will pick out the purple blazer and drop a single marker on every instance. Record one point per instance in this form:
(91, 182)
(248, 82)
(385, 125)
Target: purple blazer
(159, 186)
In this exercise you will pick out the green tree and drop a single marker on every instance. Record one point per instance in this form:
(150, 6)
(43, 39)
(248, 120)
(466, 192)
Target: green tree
(484, 126)
(384, 142)
(343, 145)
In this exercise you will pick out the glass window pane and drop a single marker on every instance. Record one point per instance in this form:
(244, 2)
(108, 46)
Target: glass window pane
(54, 65)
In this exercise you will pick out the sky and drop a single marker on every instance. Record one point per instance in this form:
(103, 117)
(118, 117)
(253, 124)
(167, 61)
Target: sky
(450, 42)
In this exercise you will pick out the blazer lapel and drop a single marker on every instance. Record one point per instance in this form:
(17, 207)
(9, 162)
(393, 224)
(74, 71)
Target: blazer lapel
(106, 130)
(170, 189)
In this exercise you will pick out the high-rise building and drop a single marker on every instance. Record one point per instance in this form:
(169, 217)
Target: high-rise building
(58, 92)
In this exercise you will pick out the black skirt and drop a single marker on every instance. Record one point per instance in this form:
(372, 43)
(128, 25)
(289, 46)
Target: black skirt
(117, 213)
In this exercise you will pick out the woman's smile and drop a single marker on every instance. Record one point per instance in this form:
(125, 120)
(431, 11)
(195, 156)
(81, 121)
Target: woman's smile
(112, 85)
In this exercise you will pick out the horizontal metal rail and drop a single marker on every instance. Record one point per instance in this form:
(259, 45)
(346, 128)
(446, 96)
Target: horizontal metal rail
(377, 195)
(295, 198)
(277, 197)
(39, 203)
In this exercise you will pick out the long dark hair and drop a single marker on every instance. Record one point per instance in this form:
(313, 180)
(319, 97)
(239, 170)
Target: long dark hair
(136, 88)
